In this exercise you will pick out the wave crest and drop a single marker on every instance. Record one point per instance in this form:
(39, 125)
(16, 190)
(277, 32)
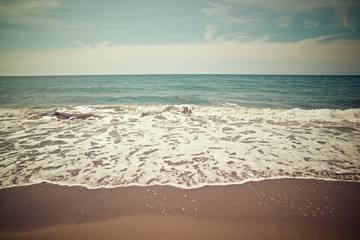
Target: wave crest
(85, 112)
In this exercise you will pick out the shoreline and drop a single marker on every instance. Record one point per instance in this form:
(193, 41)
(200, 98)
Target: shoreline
(316, 209)
(205, 185)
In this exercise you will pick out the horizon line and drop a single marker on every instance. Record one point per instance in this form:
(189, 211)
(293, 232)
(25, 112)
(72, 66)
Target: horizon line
(154, 74)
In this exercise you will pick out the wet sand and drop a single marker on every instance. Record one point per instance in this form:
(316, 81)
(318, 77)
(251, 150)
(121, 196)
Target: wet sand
(271, 209)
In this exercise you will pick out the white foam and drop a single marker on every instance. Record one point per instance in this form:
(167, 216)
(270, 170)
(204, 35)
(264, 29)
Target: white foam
(184, 146)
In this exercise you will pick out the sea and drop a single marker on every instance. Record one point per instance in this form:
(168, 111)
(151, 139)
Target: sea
(186, 131)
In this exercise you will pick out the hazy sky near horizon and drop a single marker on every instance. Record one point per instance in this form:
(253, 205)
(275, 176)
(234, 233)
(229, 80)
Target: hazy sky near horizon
(46, 37)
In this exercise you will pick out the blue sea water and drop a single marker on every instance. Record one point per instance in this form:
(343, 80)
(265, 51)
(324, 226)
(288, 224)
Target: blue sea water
(179, 130)
(252, 91)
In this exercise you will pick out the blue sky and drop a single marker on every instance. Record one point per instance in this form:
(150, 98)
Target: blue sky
(50, 37)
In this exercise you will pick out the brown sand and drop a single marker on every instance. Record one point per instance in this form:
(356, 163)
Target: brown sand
(272, 209)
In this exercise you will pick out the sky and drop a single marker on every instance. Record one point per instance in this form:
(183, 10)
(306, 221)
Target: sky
(64, 37)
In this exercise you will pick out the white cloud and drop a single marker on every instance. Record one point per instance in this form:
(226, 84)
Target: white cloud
(311, 56)
(103, 44)
(84, 45)
(342, 10)
(209, 32)
(291, 5)
(37, 5)
(225, 13)
(215, 9)
(311, 23)
(16, 8)
(99, 45)
(223, 7)
(236, 36)
(283, 22)
(23, 11)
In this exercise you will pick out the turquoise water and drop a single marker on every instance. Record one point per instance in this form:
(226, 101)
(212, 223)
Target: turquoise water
(252, 91)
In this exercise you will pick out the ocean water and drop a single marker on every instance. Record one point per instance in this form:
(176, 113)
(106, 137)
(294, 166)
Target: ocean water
(252, 91)
(181, 130)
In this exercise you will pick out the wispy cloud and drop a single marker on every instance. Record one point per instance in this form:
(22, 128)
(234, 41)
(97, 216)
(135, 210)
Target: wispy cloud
(283, 22)
(342, 7)
(239, 36)
(99, 45)
(84, 45)
(343, 10)
(236, 36)
(103, 44)
(307, 57)
(23, 11)
(291, 5)
(266, 17)
(308, 23)
(209, 32)
(227, 12)
(216, 9)
(16, 7)
(36, 5)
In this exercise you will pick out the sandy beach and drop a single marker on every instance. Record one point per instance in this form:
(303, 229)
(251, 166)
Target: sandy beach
(271, 209)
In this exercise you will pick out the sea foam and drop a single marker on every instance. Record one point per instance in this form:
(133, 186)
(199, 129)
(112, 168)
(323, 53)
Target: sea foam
(181, 145)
